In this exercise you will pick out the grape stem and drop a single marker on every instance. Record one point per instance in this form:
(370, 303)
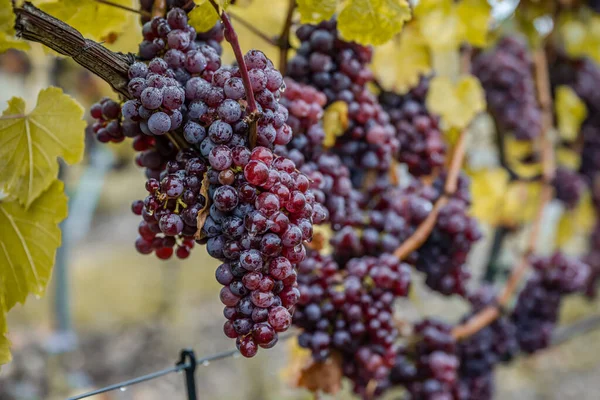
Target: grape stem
(159, 9)
(284, 37)
(423, 231)
(232, 38)
(122, 7)
(490, 313)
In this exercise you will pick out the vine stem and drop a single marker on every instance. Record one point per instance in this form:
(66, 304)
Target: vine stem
(284, 37)
(232, 38)
(423, 231)
(490, 313)
(122, 7)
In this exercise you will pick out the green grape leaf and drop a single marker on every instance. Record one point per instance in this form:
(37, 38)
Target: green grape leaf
(30, 143)
(475, 16)
(372, 21)
(5, 356)
(7, 29)
(93, 19)
(29, 238)
(204, 16)
(315, 11)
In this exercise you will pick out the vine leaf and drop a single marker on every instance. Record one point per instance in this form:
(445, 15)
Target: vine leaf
(400, 63)
(488, 187)
(7, 29)
(315, 11)
(456, 102)
(30, 143)
(580, 33)
(325, 376)
(93, 19)
(203, 16)
(569, 158)
(467, 20)
(372, 21)
(570, 112)
(335, 122)
(29, 238)
(578, 222)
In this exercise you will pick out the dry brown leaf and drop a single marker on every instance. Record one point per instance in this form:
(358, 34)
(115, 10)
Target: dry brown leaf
(323, 376)
(203, 214)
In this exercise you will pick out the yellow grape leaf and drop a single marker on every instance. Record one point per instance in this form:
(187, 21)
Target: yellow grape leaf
(467, 20)
(30, 143)
(28, 242)
(315, 11)
(435, 17)
(570, 112)
(580, 33)
(515, 151)
(456, 103)
(372, 21)
(335, 122)
(569, 158)
(475, 16)
(577, 222)
(128, 41)
(488, 187)
(520, 203)
(93, 19)
(7, 29)
(401, 62)
(204, 16)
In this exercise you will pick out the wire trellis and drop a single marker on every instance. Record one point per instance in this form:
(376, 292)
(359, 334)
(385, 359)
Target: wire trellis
(187, 360)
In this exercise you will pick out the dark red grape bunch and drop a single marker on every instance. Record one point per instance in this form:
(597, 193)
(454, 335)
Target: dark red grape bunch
(339, 69)
(261, 213)
(568, 186)
(351, 312)
(423, 148)
(429, 368)
(489, 346)
(592, 258)
(171, 208)
(444, 254)
(305, 105)
(537, 307)
(506, 75)
(107, 127)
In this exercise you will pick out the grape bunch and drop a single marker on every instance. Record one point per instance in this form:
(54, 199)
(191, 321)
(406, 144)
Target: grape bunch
(506, 76)
(170, 210)
(305, 105)
(107, 126)
(339, 69)
(480, 352)
(350, 312)
(429, 368)
(568, 186)
(423, 149)
(592, 258)
(538, 304)
(444, 254)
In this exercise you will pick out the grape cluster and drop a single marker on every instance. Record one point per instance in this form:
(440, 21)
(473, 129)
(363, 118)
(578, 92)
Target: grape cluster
(537, 307)
(480, 352)
(305, 105)
(107, 125)
(444, 254)
(423, 148)
(339, 69)
(505, 74)
(429, 368)
(568, 186)
(593, 260)
(170, 210)
(350, 312)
